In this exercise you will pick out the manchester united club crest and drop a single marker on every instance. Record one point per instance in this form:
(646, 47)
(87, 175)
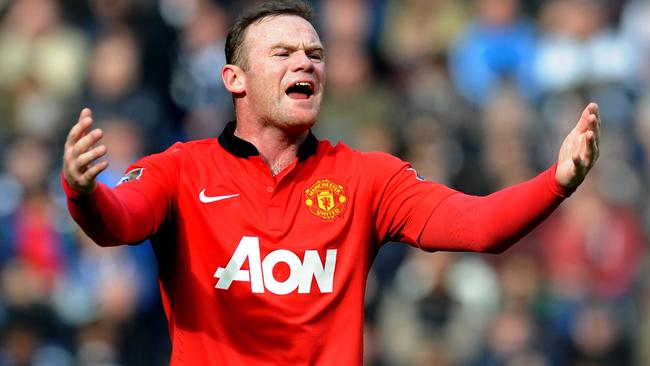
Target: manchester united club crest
(326, 199)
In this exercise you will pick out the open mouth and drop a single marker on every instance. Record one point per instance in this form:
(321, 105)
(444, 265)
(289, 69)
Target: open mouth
(300, 90)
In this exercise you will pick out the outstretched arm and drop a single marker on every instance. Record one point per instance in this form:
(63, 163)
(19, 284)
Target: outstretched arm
(495, 222)
(101, 212)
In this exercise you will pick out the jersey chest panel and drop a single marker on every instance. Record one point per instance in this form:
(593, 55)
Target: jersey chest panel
(293, 238)
(265, 266)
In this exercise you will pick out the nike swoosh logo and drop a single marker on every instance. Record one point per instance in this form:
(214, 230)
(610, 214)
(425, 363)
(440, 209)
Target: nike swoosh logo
(208, 199)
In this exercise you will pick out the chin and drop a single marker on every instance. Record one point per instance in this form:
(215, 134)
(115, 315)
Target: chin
(303, 117)
(303, 109)
(298, 123)
(301, 124)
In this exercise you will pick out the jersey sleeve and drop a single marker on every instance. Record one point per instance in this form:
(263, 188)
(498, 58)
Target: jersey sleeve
(434, 217)
(492, 223)
(404, 201)
(136, 208)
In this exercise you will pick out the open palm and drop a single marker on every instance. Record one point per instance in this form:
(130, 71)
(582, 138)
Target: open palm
(579, 151)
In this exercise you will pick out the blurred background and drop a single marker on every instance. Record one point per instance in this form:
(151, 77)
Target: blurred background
(476, 94)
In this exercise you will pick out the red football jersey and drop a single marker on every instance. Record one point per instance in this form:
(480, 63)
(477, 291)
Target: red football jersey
(257, 269)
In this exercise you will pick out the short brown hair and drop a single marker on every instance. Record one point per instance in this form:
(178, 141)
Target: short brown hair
(237, 32)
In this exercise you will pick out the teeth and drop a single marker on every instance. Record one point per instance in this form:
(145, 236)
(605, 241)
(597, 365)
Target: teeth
(303, 87)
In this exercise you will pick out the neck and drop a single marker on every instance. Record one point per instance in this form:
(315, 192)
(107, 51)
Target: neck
(277, 148)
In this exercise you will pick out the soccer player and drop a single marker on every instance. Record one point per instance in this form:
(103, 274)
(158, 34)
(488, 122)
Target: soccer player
(264, 236)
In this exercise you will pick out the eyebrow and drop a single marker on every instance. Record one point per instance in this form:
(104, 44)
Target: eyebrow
(286, 46)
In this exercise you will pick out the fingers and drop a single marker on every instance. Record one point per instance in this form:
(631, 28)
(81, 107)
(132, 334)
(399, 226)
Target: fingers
(91, 173)
(85, 113)
(79, 161)
(87, 141)
(592, 151)
(79, 140)
(595, 125)
(589, 119)
(80, 128)
(589, 129)
(82, 154)
(90, 156)
(586, 152)
(593, 131)
(580, 150)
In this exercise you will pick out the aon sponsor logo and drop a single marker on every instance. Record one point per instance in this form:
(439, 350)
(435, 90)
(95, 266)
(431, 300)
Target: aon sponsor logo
(260, 272)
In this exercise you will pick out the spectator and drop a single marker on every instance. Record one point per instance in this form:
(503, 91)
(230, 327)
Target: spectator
(196, 83)
(415, 30)
(592, 249)
(42, 61)
(580, 54)
(358, 110)
(496, 47)
(114, 88)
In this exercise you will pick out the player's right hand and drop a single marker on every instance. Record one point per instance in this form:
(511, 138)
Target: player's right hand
(80, 168)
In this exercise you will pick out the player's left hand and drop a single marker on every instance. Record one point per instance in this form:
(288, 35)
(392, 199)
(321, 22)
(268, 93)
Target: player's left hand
(579, 151)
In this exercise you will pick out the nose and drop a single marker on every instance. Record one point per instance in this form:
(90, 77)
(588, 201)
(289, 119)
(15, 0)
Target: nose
(303, 62)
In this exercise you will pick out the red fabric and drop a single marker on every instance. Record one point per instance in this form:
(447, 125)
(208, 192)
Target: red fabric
(126, 216)
(36, 241)
(495, 222)
(328, 214)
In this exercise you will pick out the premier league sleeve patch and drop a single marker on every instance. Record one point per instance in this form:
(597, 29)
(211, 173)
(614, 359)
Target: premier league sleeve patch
(417, 176)
(133, 174)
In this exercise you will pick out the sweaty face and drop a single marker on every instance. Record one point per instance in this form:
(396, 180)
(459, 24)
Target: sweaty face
(285, 74)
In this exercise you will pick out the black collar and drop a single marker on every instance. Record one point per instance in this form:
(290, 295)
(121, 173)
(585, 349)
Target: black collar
(244, 149)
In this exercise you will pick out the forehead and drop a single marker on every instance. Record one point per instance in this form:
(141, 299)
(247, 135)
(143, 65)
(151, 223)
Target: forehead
(282, 29)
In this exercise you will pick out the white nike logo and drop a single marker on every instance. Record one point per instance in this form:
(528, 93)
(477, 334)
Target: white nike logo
(208, 199)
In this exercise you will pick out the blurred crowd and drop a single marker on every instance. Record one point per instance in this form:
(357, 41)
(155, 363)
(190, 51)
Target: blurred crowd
(476, 94)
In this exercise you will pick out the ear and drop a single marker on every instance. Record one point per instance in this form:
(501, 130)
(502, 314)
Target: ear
(234, 79)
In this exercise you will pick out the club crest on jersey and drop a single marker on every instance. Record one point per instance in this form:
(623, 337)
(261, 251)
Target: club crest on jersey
(326, 199)
(133, 174)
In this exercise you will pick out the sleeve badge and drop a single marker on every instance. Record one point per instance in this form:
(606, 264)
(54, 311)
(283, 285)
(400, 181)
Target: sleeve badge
(133, 174)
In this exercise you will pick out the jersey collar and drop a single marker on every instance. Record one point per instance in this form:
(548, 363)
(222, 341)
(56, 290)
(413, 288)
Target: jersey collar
(244, 149)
